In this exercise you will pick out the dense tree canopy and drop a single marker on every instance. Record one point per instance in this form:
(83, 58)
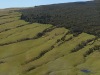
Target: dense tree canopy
(77, 16)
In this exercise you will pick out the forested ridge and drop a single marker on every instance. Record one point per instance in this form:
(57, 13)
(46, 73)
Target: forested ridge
(77, 16)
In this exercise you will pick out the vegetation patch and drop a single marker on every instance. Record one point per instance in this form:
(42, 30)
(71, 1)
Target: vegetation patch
(91, 50)
(82, 45)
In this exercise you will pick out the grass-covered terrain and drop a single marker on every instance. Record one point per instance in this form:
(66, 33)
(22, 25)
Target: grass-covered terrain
(43, 49)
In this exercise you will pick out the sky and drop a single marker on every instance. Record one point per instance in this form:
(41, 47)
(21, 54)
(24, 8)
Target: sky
(30, 3)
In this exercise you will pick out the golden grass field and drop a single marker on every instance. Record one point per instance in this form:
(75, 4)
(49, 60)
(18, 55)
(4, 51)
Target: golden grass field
(24, 51)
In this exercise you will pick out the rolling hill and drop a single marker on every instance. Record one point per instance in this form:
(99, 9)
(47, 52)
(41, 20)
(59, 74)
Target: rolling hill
(33, 48)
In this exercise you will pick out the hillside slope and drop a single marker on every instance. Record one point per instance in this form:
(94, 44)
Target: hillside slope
(44, 49)
(77, 16)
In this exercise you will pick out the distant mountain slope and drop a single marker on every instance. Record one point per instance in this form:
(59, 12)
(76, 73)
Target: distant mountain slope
(78, 16)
